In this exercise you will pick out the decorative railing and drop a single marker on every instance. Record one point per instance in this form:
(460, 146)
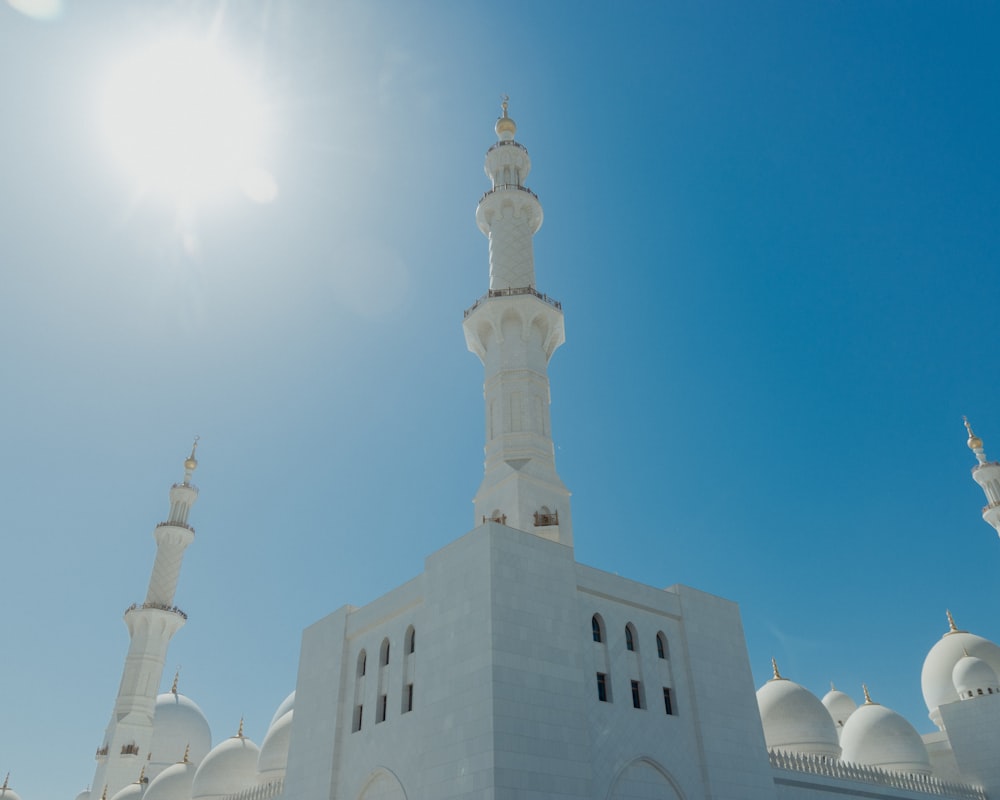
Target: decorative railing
(503, 186)
(988, 506)
(910, 782)
(507, 143)
(542, 520)
(979, 466)
(130, 749)
(187, 485)
(263, 791)
(502, 519)
(168, 524)
(510, 293)
(101, 751)
(160, 606)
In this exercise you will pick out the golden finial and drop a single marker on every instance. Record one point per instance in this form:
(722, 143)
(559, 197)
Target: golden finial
(868, 697)
(952, 627)
(7, 778)
(142, 774)
(239, 733)
(505, 126)
(104, 794)
(974, 442)
(177, 674)
(774, 667)
(187, 752)
(191, 464)
(832, 687)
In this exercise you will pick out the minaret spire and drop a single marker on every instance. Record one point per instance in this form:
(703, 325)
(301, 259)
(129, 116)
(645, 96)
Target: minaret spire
(151, 624)
(515, 329)
(987, 474)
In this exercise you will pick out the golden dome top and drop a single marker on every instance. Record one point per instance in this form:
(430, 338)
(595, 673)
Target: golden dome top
(975, 443)
(505, 127)
(191, 463)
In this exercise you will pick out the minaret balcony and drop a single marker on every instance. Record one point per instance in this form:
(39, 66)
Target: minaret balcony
(509, 293)
(130, 749)
(503, 186)
(157, 607)
(507, 143)
(169, 524)
(102, 752)
(990, 506)
(543, 520)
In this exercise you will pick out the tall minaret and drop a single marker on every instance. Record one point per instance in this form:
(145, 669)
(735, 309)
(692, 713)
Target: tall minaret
(151, 625)
(514, 329)
(987, 475)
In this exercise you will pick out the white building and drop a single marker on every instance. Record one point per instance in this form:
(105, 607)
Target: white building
(505, 669)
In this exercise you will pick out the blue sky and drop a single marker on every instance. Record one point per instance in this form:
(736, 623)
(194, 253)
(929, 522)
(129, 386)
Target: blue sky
(772, 227)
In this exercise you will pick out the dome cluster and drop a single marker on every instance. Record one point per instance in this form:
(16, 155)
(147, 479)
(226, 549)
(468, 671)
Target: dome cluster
(961, 666)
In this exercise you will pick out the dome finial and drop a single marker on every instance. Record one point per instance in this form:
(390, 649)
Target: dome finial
(191, 463)
(974, 442)
(187, 753)
(177, 675)
(239, 733)
(868, 697)
(774, 668)
(104, 794)
(505, 126)
(142, 775)
(5, 780)
(832, 687)
(952, 627)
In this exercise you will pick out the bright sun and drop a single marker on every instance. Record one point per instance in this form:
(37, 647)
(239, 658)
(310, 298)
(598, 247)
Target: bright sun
(184, 121)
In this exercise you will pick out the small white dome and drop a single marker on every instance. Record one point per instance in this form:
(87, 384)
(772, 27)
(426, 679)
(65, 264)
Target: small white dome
(274, 751)
(936, 678)
(286, 705)
(131, 792)
(6, 793)
(84, 795)
(794, 720)
(840, 706)
(972, 677)
(179, 726)
(879, 737)
(230, 767)
(174, 783)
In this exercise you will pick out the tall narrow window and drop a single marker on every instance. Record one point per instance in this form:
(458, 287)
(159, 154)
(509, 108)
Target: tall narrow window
(661, 645)
(602, 687)
(629, 637)
(595, 624)
(409, 698)
(384, 654)
(362, 661)
(358, 712)
(668, 701)
(411, 640)
(382, 703)
(636, 694)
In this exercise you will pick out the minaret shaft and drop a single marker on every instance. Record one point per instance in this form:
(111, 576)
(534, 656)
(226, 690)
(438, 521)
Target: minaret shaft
(151, 625)
(514, 330)
(987, 474)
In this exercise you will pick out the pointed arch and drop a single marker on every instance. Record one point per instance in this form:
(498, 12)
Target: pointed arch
(631, 638)
(662, 649)
(597, 628)
(382, 784)
(644, 778)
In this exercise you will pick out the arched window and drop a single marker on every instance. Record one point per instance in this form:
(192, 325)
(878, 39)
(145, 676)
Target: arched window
(629, 637)
(411, 640)
(362, 661)
(384, 653)
(597, 627)
(661, 645)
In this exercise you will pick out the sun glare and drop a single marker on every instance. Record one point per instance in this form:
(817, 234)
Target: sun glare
(184, 120)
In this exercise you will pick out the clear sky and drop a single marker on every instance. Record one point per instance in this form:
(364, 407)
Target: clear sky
(773, 229)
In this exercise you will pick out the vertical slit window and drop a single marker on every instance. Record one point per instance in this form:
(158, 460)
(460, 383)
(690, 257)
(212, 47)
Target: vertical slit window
(602, 687)
(382, 703)
(629, 638)
(409, 697)
(595, 625)
(358, 713)
(636, 694)
(668, 701)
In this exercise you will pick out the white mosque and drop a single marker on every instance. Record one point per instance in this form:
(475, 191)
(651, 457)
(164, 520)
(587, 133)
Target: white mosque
(506, 670)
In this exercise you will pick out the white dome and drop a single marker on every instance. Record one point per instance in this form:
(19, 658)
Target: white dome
(936, 678)
(178, 724)
(286, 705)
(230, 767)
(7, 793)
(794, 720)
(174, 783)
(274, 751)
(84, 795)
(131, 792)
(879, 737)
(972, 677)
(840, 706)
